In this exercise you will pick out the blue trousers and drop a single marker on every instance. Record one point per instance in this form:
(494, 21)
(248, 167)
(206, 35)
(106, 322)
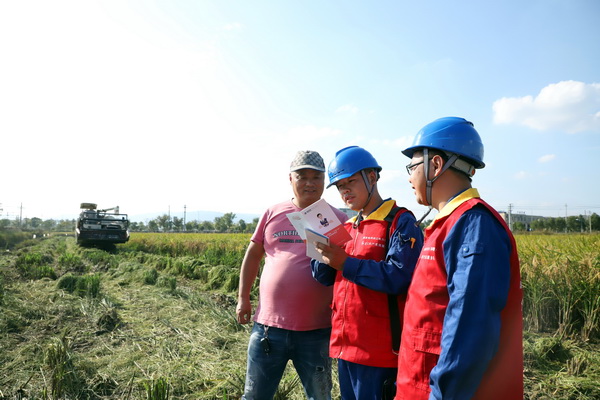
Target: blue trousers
(269, 351)
(361, 382)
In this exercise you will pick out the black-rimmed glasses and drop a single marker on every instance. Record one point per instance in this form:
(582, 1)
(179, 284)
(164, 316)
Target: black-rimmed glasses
(411, 167)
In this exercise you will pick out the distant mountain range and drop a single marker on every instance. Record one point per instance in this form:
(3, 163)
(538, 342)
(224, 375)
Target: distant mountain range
(192, 216)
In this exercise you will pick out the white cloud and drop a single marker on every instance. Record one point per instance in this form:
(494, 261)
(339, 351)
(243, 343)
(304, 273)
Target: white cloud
(347, 108)
(521, 175)
(570, 106)
(547, 158)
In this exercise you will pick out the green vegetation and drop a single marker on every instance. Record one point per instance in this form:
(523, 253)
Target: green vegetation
(9, 239)
(166, 223)
(574, 223)
(162, 223)
(152, 319)
(561, 279)
(155, 318)
(561, 308)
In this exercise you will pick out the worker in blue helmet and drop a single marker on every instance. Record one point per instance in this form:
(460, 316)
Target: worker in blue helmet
(462, 332)
(453, 138)
(353, 160)
(370, 276)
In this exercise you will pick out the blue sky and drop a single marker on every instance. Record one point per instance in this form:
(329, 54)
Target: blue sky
(153, 105)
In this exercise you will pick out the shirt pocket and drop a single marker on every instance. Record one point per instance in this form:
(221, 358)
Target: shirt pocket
(471, 249)
(426, 350)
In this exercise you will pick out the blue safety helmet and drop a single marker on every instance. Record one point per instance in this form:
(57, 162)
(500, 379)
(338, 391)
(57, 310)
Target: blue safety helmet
(349, 161)
(452, 135)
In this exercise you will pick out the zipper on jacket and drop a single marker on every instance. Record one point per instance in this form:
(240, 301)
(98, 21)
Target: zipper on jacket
(346, 283)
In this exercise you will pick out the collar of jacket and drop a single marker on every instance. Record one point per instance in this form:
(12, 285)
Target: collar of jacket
(468, 194)
(380, 212)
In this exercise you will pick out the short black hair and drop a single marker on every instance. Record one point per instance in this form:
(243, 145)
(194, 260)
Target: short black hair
(445, 156)
(368, 170)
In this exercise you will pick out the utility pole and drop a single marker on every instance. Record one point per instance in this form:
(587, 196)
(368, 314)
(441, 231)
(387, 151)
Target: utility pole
(566, 228)
(184, 214)
(510, 217)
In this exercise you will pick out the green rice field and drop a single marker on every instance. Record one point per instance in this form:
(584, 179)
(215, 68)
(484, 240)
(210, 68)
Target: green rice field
(155, 318)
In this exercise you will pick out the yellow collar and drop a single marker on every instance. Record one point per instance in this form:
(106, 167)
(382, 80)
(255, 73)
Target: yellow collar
(381, 212)
(457, 201)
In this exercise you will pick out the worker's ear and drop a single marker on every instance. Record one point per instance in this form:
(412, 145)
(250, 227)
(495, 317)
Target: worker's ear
(437, 162)
(373, 177)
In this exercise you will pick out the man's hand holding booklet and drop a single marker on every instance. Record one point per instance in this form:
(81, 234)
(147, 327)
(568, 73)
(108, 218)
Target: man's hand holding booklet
(313, 237)
(318, 223)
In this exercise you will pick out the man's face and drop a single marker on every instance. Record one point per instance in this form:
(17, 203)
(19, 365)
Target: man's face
(416, 177)
(308, 185)
(353, 191)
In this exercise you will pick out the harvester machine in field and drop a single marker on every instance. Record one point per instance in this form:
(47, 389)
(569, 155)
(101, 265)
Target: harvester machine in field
(106, 226)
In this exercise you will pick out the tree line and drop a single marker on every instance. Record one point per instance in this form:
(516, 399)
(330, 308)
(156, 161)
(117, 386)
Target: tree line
(162, 223)
(166, 223)
(573, 224)
(227, 223)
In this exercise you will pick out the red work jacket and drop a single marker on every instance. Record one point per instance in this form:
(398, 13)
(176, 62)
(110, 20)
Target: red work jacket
(360, 331)
(426, 304)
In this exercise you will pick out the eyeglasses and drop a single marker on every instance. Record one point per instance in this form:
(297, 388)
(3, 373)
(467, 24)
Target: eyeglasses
(411, 167)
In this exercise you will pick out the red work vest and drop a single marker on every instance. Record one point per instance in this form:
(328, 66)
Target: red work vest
(426, 305)
(360, 331)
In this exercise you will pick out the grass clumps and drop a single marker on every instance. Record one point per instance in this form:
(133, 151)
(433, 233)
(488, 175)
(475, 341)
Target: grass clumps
(158, 389)
(169, 282)
(71, 262)
(150, 276)
(9, 239)
(83, 286)
(63, 380)
(157, 320)
(565, 368)
(1, 290)
(35, 266)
